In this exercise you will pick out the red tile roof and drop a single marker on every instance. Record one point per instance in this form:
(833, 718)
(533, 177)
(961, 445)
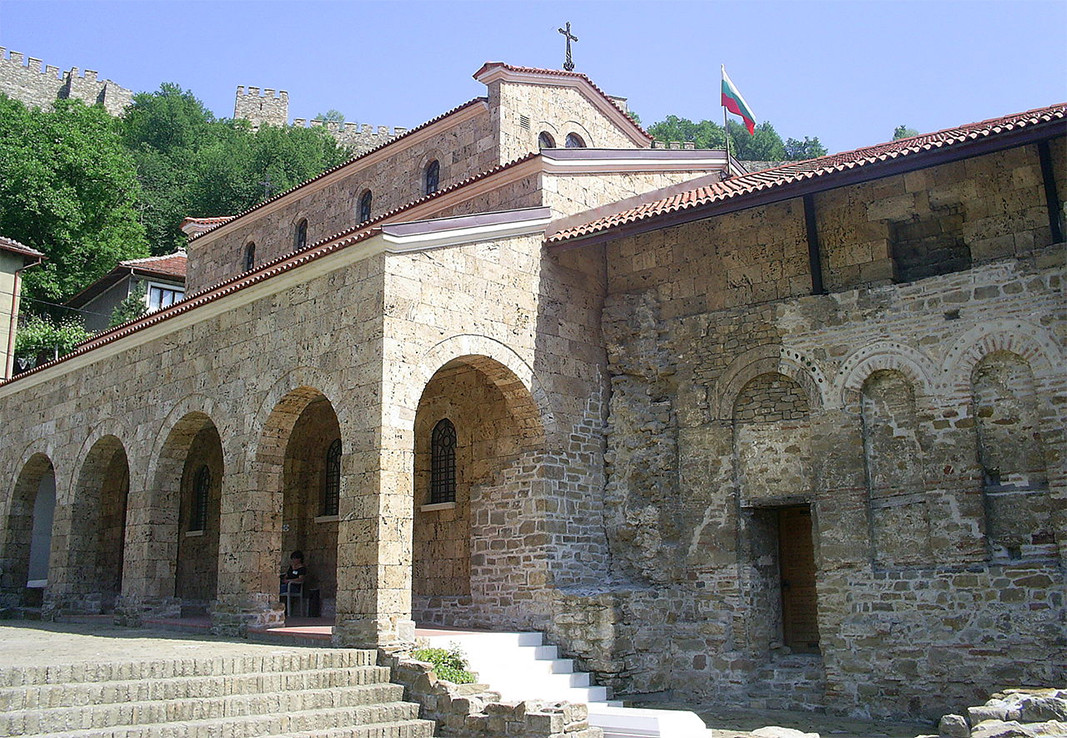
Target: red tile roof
(172, 266)
(10, 244)
(711, 193)
(390, 142)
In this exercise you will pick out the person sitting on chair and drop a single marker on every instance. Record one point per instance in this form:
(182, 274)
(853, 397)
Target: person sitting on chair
(295, 574)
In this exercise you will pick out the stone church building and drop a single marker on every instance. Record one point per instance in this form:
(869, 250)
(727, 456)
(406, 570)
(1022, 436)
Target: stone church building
(794, 436)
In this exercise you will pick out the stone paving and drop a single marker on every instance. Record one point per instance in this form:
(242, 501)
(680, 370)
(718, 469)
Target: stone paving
(24, 643)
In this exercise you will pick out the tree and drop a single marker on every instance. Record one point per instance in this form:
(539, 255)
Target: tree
(331, 116)
(132, 308)
(764, 145)
(809, 148)
(902, 131)
(69, 189)
(40, 339)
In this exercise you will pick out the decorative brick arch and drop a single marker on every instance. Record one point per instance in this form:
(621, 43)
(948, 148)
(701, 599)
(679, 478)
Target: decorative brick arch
(1029, 341)
(491, 357)
(881, 356)
(769, 359)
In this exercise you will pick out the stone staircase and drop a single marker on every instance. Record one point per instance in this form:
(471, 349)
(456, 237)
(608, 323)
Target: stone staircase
(333, 693)
(521, 667)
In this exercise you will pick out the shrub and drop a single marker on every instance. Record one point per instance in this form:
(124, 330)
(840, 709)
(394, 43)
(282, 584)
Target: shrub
(449, 664)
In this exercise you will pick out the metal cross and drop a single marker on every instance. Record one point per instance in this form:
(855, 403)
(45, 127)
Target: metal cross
(569, 64)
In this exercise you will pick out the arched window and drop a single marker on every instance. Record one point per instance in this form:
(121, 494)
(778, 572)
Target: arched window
(364, 206)
(250, 255)
(574, 141)
(545, 140)
(433, 177)
(331, 492)
(201, 491)
(301, 238)
(443, 462)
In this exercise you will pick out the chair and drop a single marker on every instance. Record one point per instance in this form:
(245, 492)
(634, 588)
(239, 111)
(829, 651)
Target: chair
(295, 592)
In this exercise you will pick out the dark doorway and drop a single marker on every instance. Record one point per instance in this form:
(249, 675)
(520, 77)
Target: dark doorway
(796, 561)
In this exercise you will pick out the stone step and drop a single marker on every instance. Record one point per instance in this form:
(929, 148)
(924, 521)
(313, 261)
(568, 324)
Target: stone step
(45, 696)
(82, 717)
(391, 720)
(325, 658)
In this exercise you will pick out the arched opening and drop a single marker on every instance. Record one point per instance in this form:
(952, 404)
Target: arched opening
(432, 179)
(300, 236)
(545, 140)
(477, 435)
(98, 527)
(199, 504)
(365, 202)
(250, 256)
(301, 457)
(574, 141)
(24, 567)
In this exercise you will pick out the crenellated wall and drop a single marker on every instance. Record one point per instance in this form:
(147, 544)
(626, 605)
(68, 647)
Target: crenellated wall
(39, 85)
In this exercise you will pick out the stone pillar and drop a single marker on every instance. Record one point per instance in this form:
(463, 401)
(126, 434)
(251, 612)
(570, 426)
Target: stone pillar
(149, 558)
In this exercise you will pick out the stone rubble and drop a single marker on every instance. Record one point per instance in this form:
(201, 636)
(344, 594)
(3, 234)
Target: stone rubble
(1013, 713)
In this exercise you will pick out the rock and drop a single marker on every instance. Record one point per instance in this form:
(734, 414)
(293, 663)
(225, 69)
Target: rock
(1002, 729)
(953, 726)
(1050, 728)
(992, 710)
(1040, 709)
(773, 731)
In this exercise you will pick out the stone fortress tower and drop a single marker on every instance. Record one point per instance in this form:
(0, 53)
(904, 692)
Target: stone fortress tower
(39, 85)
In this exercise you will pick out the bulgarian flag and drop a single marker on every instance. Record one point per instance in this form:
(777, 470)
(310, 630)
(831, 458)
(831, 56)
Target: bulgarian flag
(732, 101)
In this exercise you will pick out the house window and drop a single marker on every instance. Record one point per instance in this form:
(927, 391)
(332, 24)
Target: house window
(201, 490)
(160, 296)
(364, 206)
(443, 463)
(433, 177)
(301, 238)
(574, 141)
(250, 256)
(545, 140)
(331, 493)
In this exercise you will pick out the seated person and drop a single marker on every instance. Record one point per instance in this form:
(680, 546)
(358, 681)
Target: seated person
(295, 574)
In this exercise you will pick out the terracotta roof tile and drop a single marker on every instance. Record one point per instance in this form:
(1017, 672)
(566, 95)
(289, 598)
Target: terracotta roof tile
(748, 184)
(10, 244)
(170, 265)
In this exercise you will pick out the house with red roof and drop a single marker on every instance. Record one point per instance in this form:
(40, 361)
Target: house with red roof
(784, 438)
(14, 259)
(160, 279)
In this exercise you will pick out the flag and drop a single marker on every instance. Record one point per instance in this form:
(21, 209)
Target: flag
(732, 101)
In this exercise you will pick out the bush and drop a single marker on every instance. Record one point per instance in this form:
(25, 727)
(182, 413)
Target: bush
(449, 664)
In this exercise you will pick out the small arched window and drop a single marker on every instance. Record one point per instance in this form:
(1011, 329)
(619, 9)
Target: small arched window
(433, 177)
(250, 255)
(331, 492)
(545, 140)
(301, 238)
(574, 141)
(443, 462)
(201, 492)
(364, 206)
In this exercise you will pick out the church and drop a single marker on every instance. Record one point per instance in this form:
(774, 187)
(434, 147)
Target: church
(790, 437)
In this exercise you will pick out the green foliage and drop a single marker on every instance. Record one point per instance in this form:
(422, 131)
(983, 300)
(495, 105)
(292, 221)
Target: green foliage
(764, 145)
(448, 664)
(68, 188)
(131, 308)
(331, 116)
(902, 131)
(41, 339)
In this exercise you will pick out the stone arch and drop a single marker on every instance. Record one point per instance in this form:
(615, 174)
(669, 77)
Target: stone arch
(461, 575)
(427, 158)
(764, 360)
(290, 462)
(857, 368)
(27, 533)
(573, 126)
(1031, 342)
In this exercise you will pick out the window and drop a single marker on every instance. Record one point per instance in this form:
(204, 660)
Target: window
(301, 238)
(250, 256)
(331, 492)
(433, 177)
(545, 140)
(201, 490)
(574, 141)
(161, 296)
(443, 462)
(364, 206)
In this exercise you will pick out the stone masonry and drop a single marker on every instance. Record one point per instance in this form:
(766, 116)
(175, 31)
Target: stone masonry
(40, 87)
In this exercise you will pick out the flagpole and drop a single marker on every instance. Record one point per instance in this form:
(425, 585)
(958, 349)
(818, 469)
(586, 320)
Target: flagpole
(725, 123)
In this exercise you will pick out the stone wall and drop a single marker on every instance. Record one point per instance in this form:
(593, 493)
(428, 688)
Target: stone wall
(40, 88)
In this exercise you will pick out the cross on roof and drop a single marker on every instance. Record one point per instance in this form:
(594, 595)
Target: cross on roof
(569, 64)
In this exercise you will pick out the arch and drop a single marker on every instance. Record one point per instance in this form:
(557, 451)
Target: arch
(364, 206)
(471, 346)
(574, 141)
(546, 140)
(769, 359)
(882, 356)
(27, 533)
(300, 234)
(250, 256)
(578, 129)
(431, 177)
(1032, 342)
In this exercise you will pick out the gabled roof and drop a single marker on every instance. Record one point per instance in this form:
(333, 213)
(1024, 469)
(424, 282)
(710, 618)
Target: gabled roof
(194, 226)
(710, 197)
(14, 247)
(491, 71)
(390, 142)
(170, 267)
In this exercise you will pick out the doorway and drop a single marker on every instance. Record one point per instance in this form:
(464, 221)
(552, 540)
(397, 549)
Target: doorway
(796, 564)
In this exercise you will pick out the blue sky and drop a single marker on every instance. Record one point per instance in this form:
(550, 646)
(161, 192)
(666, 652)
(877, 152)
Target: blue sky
(847, 72)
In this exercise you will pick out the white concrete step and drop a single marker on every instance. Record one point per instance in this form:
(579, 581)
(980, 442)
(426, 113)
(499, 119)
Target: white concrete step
(521, 667)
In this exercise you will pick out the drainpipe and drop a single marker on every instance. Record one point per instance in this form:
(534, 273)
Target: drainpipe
(16, 288)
